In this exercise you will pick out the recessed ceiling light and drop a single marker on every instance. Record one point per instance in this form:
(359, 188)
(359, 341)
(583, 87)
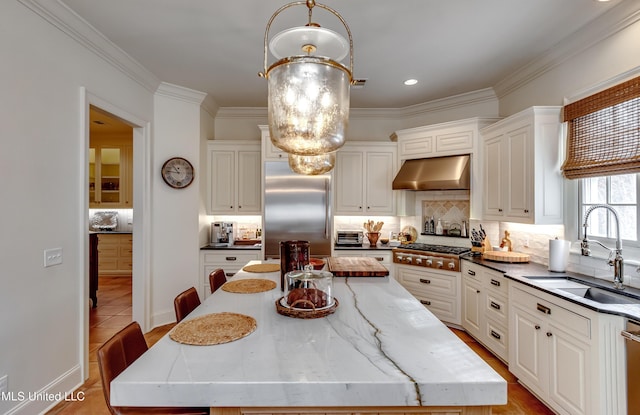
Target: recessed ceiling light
(411, 82)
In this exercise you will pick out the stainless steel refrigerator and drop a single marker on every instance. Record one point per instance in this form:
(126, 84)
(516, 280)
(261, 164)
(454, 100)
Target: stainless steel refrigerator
(296, 207)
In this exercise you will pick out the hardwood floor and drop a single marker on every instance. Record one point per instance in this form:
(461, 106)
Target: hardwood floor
(114, 312)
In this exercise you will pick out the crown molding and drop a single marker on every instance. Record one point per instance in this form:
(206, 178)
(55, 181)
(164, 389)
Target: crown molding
(67, 21)
(443, 104)
(611, 22)
(180, 93)
(448, 103)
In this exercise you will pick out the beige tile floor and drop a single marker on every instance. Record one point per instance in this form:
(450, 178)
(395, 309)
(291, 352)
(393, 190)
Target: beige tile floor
(114, 312)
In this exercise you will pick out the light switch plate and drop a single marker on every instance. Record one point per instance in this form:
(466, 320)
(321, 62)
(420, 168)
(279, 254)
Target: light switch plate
(52, 257)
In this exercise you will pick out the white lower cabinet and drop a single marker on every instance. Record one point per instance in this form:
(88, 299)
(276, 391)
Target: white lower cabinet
(551, 351)
(230, 260)
(438, 291)
(485, 307)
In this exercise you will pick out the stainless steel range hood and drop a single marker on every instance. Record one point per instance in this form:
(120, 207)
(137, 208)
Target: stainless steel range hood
(438, 173)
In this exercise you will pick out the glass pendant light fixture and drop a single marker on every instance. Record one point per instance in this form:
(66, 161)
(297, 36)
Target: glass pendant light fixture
(308, 91)
(312, 165)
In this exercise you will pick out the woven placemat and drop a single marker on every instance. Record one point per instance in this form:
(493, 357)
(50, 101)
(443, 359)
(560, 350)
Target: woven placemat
(262, 268)
(249, 286)
(213, 329)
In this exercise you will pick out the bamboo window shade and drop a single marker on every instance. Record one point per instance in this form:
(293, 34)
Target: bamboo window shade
(604, 133)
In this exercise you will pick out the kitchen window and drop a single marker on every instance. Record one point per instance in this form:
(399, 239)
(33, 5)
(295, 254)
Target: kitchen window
(603, 151)
(621, 193)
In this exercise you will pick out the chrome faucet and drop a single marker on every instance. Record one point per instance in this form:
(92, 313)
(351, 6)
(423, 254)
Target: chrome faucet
(617, 262)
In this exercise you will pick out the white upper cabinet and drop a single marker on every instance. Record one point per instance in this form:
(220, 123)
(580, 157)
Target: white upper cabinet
(234, 174)
(446, 139)
(522, 180)
(364, 175)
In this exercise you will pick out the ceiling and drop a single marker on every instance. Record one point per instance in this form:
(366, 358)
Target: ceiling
(449, 46)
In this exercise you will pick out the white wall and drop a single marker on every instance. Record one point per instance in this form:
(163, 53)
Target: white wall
(43, 162)
(175, 212)
(604, 49)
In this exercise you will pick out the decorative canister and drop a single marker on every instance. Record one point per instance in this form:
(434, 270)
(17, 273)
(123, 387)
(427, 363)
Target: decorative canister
(309, 290)
(294, 255)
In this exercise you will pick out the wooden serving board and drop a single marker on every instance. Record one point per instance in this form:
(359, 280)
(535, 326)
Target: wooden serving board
(356, 267)
(503, 256)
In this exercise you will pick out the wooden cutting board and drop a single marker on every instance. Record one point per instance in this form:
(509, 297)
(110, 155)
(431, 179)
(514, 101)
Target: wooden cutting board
(356, 267)
(503, 256)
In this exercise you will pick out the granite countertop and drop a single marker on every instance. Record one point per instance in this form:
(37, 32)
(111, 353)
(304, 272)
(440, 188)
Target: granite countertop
(232, 247)
(364, 247)
(520, 271)
(381, 347)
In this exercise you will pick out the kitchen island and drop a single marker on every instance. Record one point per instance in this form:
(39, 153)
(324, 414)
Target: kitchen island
(381, 351)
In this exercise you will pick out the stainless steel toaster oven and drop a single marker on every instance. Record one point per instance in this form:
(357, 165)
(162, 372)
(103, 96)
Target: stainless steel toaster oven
(349, 238)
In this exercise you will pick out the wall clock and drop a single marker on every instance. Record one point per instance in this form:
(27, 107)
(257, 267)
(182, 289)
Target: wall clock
(177, 172)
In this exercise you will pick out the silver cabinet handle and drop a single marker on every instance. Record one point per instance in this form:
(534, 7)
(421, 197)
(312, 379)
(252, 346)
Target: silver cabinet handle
(631, 335)
(495, 305)
(231, 258)
(496, 335)
(496, 283)
(471, 272)
(425, 281)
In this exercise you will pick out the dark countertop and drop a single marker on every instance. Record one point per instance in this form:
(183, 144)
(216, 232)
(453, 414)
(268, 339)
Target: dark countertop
(520, 271)
(111, 232)
(364, 247)
(232, 247)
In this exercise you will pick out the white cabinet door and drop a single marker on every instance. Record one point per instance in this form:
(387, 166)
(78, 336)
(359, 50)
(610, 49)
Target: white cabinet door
(235, 177)
(568, 370)
(349, 180)
(379, 177)
(363, 179)
(222, 170)
(471, 306)
(494, 171)
(521, 173)
(527, 356)
(249, 174)
(518, 175)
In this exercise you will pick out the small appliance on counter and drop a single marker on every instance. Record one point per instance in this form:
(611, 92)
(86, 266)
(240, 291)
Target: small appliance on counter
(104, 222)
(349, 238)
(221, 233)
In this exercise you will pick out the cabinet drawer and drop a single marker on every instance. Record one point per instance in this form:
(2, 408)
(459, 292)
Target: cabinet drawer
(236, 258)
(444, 308)
(562, 317)
(496, 282)
(110, 251)
(496, 336)
(473, 273)
(107, 264)
(496, 308)
(422, 283)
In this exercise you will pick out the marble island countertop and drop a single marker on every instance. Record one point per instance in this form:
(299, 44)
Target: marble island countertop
(521, 272)
(380, 348)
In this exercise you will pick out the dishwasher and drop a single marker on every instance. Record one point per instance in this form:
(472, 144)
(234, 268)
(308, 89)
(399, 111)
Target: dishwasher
(632, 336)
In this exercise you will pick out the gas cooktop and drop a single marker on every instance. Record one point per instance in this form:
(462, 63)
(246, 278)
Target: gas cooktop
(440, 249)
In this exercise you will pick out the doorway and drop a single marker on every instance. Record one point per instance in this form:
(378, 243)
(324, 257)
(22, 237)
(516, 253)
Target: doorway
(111, 166)
(139, 222)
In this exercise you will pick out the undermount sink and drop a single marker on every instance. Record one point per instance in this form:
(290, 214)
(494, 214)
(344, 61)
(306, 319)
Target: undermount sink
(602, 296)
(583, 289)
